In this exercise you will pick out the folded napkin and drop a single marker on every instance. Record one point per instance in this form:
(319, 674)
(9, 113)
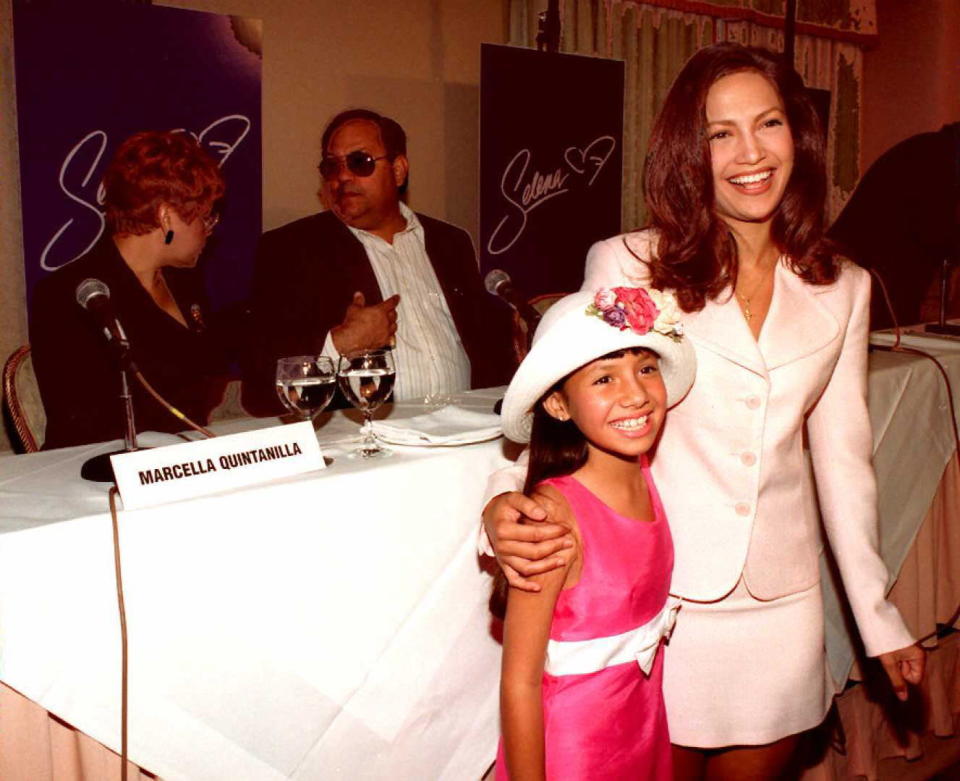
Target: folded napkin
(449, 425)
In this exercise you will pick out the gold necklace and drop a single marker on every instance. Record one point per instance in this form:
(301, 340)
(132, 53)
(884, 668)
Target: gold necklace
(745, 300)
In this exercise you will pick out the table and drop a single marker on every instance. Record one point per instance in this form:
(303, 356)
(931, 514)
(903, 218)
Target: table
(920, 543)
(328, 626)
(913, 441)
(877, 738)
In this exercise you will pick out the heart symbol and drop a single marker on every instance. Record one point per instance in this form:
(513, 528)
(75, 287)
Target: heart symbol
(596, 154)
(570, 152)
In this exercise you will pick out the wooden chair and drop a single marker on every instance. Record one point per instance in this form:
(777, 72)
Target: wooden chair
(21, 400)
(521, 339)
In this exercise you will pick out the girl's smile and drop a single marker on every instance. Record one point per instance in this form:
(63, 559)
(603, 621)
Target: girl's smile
(637, 426)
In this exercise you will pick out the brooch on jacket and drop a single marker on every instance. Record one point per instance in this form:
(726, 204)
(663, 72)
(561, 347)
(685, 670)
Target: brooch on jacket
(196, 317)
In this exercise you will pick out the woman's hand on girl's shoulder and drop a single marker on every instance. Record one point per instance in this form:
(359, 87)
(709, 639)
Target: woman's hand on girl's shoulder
(525, 539)
(549, 581)
(560, 514)
(555, 506)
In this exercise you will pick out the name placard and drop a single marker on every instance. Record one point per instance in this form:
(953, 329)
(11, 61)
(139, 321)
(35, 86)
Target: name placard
(147, 478)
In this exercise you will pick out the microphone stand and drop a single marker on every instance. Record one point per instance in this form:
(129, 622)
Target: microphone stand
(943, 327)
(99, 469)
(130, 428)
(548, 28)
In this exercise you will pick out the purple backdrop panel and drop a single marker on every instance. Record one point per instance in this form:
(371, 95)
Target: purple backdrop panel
(90, 75)
(551, 127)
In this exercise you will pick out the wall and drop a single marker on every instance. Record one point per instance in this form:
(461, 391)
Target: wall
(911, 79)
(419, 61)
(416, 60)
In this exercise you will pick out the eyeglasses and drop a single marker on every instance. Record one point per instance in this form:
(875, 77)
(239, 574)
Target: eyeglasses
(359, 163)
(210, 221)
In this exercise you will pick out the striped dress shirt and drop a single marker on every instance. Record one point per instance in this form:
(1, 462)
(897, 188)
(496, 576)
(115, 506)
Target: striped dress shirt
(429, 355)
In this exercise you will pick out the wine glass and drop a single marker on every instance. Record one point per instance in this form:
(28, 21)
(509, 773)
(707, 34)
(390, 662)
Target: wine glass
(306, 383)
(366, 379)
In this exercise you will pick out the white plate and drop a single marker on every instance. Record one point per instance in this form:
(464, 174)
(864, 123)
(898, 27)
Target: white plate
(446, 427)
(452, 441)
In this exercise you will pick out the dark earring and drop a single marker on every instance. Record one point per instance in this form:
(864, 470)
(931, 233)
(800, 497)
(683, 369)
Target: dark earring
(168, 238)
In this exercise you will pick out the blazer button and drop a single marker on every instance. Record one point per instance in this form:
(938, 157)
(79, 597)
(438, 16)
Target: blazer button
(742, 508)
(748, 459)
(753, 402)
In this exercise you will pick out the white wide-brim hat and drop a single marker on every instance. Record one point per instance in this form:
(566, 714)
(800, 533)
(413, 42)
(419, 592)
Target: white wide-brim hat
(574, 332)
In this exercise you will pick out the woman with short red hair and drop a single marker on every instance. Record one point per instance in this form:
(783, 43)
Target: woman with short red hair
(160, 193)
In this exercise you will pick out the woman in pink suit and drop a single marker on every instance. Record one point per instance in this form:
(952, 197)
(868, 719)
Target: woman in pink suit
(735, 184)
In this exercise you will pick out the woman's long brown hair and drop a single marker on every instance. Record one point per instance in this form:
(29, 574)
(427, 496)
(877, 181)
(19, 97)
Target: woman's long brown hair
(696, 255)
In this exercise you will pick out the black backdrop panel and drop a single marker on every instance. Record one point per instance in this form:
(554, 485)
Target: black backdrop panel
(551, 127)
(91, 74)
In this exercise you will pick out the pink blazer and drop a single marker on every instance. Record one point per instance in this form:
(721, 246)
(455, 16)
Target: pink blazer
(730, 464)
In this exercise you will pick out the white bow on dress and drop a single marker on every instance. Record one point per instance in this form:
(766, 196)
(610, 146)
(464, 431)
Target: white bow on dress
(578, 657)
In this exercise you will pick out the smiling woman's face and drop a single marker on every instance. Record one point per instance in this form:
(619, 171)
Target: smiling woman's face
(751, 147)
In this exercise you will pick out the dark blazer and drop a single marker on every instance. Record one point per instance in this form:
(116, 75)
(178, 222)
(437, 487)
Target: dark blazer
(305, 276)
(78, 372)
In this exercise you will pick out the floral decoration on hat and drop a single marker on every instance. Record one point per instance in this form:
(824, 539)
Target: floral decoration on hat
(638, 309)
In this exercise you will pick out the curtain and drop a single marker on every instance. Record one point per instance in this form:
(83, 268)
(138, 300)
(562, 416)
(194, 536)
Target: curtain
(837, 66)
(655, 40)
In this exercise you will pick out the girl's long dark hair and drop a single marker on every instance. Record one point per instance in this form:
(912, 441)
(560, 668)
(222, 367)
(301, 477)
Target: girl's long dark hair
(556, 448)
(696, 255)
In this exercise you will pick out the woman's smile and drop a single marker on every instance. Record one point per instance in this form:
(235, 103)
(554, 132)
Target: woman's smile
(751, 147)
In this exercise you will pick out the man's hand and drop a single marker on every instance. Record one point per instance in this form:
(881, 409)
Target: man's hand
(524, 542)
(366, 327)
(904, 666)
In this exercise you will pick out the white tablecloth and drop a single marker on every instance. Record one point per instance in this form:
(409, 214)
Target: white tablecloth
(913, 440)
(328, 626)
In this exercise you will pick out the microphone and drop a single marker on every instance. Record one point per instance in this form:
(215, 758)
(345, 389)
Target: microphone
(498, 283)
(94, 296)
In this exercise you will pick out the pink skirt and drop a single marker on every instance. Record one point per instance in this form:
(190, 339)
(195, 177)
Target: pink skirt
(741, 671)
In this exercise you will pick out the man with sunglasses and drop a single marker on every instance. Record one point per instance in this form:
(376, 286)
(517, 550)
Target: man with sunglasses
(370, 272)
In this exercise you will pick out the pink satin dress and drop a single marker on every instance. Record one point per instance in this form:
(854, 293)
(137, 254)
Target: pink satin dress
(609, 723)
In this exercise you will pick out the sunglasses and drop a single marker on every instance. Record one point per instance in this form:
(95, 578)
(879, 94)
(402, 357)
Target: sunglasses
(358, 163)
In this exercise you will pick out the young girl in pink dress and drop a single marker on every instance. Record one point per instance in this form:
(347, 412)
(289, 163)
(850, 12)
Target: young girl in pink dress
(580, 690)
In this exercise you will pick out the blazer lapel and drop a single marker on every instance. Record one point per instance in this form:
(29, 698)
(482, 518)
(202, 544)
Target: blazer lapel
(438, 253)
(721, 328)
(797, 324)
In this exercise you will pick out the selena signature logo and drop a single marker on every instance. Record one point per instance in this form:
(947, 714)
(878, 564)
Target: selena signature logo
(221, 137)
(524, 189)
